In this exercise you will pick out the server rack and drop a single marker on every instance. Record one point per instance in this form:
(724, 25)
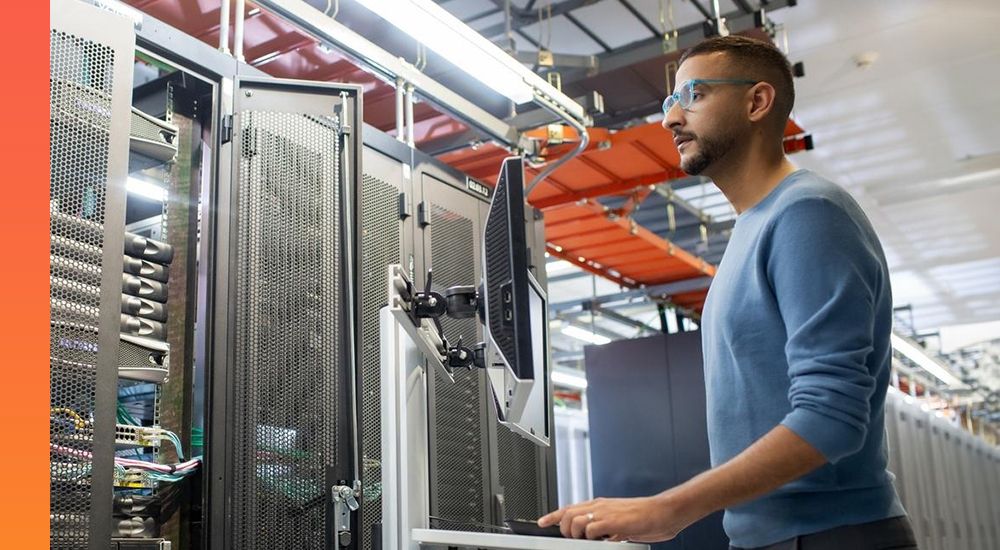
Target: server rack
(448, 217)
(435, 217)
(477, 481)
(205, 380)
(947, 479)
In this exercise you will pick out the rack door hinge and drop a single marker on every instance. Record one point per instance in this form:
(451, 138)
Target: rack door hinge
(404, 206)
(227, 128)
(422, 218)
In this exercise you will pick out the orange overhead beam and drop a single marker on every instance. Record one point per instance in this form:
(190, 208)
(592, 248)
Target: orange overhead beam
(614, 162)
(586, 233)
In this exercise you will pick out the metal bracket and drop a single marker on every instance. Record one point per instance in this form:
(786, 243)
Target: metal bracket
(344, 502)
(345, 124)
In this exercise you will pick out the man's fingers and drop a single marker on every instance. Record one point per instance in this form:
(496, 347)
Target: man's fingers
(596, 530)
(578, 525)
(551, 518)
(565, 522)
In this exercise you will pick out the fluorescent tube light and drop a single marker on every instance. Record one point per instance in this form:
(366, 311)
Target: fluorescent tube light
(925, 361)
(571, 380)
(585, 335)
(971, 178)
(449, 37)
(146, 189)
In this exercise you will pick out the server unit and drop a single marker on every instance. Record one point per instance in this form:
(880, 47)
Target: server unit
(459, 445)
(947, 479)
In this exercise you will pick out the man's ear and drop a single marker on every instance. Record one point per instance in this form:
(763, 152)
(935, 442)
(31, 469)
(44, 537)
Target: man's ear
(762, 97)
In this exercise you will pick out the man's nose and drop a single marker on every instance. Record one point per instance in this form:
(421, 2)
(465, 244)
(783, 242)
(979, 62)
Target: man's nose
(674, 117)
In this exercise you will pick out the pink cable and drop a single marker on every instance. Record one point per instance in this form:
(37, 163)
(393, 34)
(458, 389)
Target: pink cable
(162, 468)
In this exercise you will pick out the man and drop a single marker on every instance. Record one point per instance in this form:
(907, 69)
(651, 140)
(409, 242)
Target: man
(795, 334)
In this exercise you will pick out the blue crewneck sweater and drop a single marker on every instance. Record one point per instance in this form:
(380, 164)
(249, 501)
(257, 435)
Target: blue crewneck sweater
(795, 332)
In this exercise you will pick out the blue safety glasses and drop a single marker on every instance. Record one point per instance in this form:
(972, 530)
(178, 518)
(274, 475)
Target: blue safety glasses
(686, 94)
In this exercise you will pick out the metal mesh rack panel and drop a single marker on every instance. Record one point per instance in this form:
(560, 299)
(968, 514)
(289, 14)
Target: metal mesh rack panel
(289, 328)
(380, 232)
(80, 88)
(519, 476)
(457, 407)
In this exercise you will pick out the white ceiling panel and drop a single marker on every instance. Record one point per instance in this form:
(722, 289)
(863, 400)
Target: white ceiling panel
(561, 36)
(914, 137)
(615, 26)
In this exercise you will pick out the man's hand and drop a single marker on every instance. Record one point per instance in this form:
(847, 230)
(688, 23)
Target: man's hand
(646, 519)
(777, 458)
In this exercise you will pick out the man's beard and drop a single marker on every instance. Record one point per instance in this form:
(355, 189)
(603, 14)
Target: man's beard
(710, 150)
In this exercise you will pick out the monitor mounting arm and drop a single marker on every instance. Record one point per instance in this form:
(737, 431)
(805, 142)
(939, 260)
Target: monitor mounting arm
(457, 302)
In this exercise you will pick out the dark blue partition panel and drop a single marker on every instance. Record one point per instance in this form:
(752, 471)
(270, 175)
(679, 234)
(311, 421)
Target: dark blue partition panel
(646, 399)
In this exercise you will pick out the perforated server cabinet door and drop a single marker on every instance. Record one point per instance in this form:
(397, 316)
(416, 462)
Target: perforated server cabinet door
(458, 415)
(90, 88)
(385, 240)
(289, 329)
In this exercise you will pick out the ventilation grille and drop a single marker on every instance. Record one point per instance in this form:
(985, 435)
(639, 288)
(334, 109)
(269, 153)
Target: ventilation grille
(379, 248)
(518, 465)
(498, 270)
(288, 364)
(457, 419)
(80, 86)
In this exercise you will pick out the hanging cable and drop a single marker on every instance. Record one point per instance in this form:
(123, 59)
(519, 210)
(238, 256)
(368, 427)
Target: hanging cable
(581, 147)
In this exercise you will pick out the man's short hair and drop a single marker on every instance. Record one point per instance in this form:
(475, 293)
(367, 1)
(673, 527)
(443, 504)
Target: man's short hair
(755, 60)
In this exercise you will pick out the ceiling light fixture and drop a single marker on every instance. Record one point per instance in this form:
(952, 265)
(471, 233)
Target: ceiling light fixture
(913, 352)
(971, 178)
(449, 37)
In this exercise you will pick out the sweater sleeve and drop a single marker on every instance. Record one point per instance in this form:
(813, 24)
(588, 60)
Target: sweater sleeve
(825, 273)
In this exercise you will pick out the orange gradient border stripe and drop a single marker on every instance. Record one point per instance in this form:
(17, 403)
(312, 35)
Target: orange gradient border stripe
(24, 282)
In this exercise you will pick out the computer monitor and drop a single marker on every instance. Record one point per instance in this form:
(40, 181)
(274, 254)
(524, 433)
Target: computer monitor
(516, 316)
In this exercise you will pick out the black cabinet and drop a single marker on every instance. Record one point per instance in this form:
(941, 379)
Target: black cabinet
(646, 400)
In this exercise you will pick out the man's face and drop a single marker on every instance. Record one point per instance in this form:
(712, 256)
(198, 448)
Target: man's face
(711, 126)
